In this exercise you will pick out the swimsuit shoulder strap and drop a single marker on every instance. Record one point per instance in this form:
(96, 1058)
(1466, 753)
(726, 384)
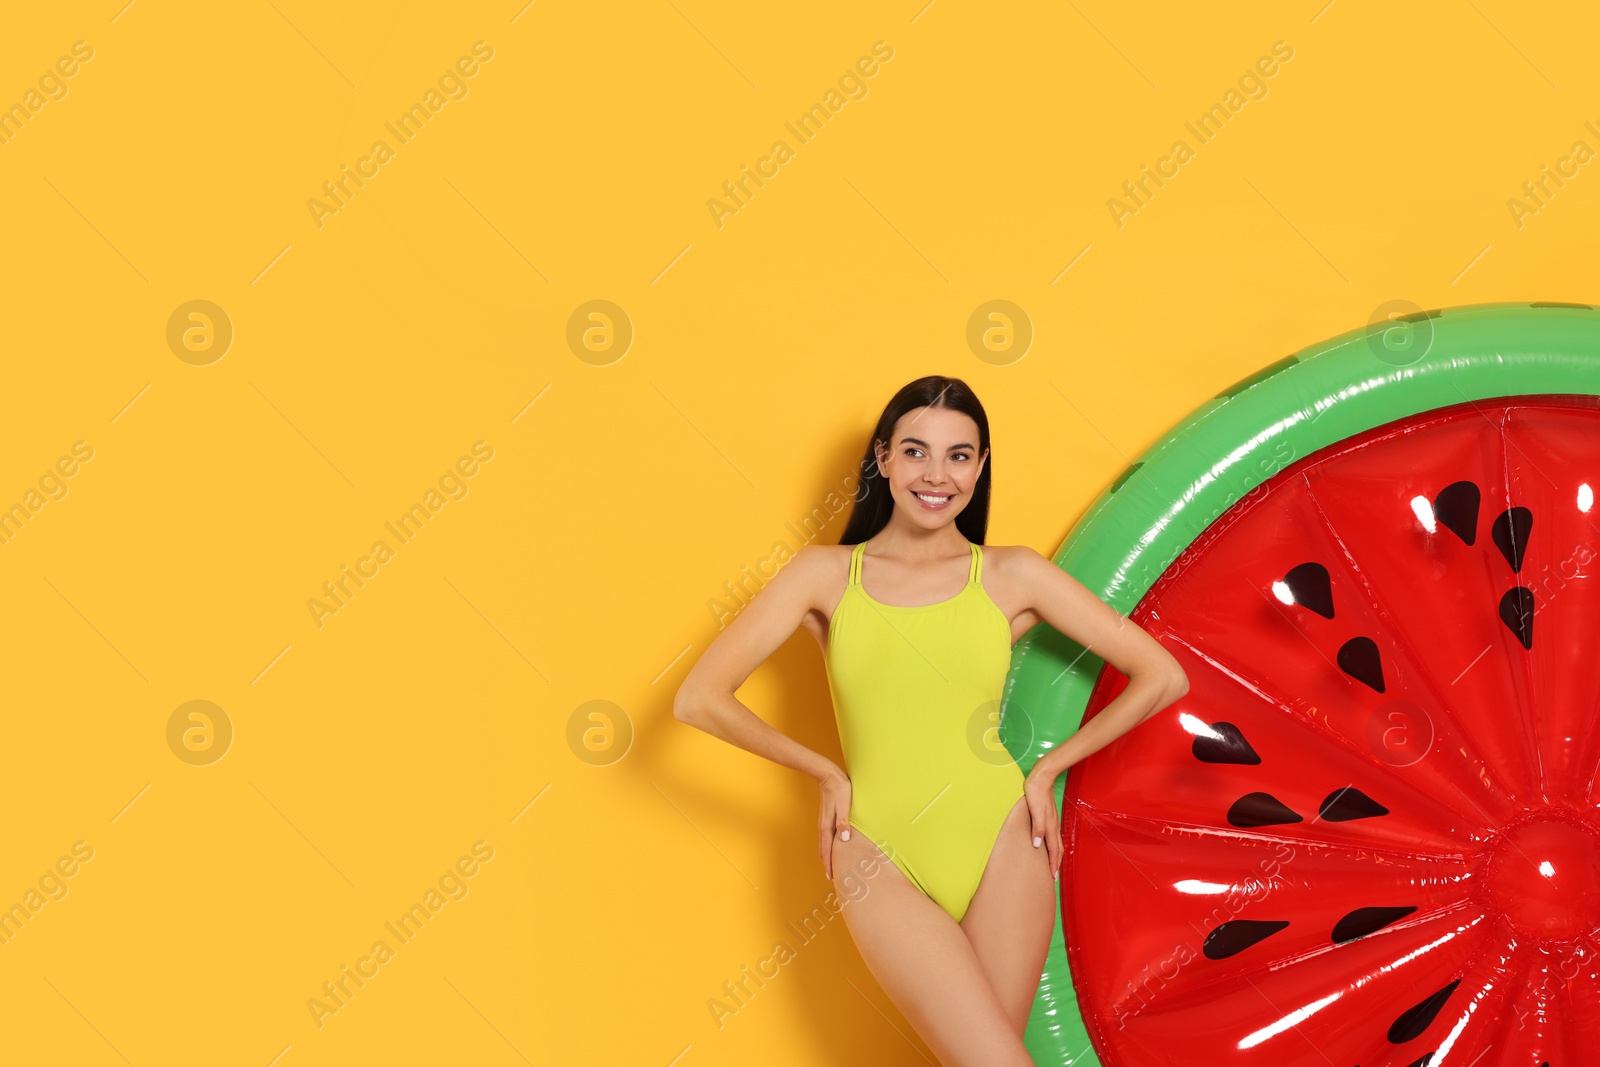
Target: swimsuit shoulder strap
(976, 569)
(855, 563)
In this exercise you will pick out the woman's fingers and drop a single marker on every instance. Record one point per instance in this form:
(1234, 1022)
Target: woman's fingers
(834, 823)
(839, 831)
(1042, 809)
(1046, 826)
(1037, 820)
(831, 830)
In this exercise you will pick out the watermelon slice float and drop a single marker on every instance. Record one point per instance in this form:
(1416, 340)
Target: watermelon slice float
(1369, 834)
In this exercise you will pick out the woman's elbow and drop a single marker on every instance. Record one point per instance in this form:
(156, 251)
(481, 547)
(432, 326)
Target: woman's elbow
(1173, 686)
(690, 703)
(684, 704)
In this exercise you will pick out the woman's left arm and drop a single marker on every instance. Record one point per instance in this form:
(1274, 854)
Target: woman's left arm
(1155, 679)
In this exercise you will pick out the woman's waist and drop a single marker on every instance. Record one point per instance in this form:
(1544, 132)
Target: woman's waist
(904, 793)
(960, 723)
(921, 765)
(885, 703)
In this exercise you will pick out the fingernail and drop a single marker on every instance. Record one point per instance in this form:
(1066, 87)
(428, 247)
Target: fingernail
(1038, 841)
(845, 835)
(1058, 876)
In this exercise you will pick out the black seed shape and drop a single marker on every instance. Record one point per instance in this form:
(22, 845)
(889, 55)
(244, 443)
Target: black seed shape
(1414, 1020)
(1426, 1059)
(1516, 611)
(1364, 921)
(1457, 507)
(1260, 809)
(1236, 935)
(1348, 803)
(1510, 532)
(1226, 746)
(1360, 659)
(1310, 587)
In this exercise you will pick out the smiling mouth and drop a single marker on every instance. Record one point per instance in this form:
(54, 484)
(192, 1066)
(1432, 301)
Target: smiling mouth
(933, 501)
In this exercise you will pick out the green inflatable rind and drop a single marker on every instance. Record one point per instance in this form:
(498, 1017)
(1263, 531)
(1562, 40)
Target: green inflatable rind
(1219, 453)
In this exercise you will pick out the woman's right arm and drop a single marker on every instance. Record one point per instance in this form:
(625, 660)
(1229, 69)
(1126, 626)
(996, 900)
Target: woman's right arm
(706, 698)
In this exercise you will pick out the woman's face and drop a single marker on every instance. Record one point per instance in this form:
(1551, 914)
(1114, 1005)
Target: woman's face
(932, 464)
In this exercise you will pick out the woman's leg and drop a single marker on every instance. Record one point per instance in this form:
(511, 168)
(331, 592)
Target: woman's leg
(1012, 916)
(923, 961)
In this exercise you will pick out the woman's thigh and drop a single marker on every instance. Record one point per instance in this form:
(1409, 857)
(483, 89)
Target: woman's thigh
(923, 960)
(1012, 915)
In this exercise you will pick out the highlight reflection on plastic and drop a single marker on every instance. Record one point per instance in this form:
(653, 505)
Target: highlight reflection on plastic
(1375, 810)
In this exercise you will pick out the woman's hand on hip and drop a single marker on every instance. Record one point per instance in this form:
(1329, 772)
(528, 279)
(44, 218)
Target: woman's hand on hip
(1041, 796)
(834, 817)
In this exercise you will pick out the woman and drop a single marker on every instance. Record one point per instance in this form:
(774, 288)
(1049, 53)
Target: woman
(916, 621)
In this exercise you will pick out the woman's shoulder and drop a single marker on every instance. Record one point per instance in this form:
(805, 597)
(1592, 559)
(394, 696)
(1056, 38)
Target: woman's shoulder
(822, 571)
(1010, 560)
(822, 566)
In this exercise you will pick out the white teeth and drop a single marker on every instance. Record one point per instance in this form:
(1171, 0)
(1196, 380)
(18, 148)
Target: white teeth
(925, 498)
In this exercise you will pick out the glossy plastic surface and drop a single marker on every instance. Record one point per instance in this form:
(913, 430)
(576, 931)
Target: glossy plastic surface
(1366, 834)
(1372, 814)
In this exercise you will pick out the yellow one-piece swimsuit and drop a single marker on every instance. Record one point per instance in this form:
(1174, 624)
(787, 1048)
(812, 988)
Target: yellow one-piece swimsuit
(916, 693)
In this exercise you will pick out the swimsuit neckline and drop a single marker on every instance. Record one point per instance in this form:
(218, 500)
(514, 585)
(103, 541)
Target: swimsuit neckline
(972, 580)
(973, 583)
(916, 607)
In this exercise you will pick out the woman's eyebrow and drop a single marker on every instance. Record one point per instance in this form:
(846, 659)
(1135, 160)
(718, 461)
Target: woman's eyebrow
(924, 444)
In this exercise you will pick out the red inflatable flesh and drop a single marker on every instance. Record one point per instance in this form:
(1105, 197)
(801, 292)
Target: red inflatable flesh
(1369, 834)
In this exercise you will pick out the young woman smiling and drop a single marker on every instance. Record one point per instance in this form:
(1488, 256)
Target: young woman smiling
(916, 620)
